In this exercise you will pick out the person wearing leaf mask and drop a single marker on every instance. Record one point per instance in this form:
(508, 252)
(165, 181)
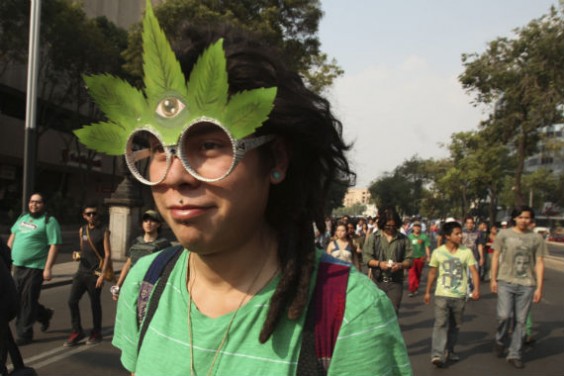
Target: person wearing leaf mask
(239, 155)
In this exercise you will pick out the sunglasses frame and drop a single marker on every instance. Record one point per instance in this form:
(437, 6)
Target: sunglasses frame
(240, 148)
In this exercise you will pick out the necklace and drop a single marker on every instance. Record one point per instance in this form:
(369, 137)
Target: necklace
(224, 339)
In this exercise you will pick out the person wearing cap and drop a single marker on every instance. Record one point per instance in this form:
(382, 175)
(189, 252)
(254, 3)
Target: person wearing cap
(146, 244)
(420, 245)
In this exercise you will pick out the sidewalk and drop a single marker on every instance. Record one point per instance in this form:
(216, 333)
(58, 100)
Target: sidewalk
(64, 271)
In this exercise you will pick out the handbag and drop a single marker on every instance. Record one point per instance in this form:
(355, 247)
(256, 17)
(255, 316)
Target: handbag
(109, 274)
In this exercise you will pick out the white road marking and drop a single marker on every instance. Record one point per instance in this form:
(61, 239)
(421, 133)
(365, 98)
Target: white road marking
(64, 352)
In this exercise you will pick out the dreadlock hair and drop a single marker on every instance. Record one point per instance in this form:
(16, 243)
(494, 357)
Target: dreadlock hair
(313, 137)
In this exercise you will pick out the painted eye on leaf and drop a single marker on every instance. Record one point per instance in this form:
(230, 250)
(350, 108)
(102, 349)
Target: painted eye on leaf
(169, 107)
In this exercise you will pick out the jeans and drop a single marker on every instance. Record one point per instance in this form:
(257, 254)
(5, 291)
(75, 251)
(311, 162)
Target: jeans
(513, 305)
(28, 283)
(448, 319)
(82, 283)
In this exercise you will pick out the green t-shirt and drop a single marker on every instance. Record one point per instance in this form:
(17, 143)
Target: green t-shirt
(418, 244)
(32, 239)
(518, 256)
(452, 280)
(369, 340)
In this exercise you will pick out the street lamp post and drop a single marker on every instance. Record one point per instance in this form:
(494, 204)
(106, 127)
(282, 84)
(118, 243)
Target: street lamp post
(30, 143)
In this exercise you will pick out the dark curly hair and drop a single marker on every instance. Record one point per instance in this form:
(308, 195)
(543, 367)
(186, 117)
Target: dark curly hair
(388, 213)
(313, 137)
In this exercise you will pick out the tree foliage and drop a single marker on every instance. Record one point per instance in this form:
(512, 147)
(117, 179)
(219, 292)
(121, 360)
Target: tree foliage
(403, 188)
(291, 25)
(522, 78)
(70, 45)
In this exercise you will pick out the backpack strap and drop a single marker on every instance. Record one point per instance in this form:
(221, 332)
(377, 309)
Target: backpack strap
(159, 271)
(324, 317)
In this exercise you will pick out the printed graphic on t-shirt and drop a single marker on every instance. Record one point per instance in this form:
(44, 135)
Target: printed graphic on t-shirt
(27, 226)
(521, 262)
(469, 239)
(451, 274)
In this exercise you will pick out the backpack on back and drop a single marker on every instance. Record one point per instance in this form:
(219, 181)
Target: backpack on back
(324, 315)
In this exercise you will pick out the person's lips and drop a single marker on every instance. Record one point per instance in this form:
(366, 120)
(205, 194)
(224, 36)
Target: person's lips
(187, 212)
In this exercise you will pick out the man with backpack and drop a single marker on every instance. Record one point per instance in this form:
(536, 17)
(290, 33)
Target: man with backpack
(34, 241)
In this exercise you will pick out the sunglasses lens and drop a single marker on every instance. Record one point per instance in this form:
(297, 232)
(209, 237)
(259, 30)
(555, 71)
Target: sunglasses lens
(91, 214)
(146, 157)
(207, 151)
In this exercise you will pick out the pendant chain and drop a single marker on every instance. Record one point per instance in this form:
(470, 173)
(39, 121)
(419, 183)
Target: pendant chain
(224, 339)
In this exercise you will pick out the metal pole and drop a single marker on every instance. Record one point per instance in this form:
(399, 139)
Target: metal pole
(30, 143)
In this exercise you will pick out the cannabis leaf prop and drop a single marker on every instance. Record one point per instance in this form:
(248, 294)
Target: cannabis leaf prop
(204, 97)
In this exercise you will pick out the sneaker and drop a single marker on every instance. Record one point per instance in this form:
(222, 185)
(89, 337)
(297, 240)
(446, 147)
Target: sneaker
(46, 321)
(453, 356)
(95, 337)
(74, 338)
(411, 295)
(517, 363)
(499, 350)
(437, 362)
(23, 341)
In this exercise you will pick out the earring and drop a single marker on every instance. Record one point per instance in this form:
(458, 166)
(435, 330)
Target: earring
(276, 176)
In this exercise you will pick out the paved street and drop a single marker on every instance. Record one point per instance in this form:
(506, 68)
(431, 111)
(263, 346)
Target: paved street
(545, 358)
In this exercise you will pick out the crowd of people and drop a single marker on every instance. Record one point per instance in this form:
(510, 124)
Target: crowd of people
(460, 255)
(240, 156)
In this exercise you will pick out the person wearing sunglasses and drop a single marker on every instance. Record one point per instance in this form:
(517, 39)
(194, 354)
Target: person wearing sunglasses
(95, 255)
(35, 239)
(239, 155)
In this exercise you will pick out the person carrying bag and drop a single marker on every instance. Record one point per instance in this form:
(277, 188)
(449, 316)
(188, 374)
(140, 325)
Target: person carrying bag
(94, 268)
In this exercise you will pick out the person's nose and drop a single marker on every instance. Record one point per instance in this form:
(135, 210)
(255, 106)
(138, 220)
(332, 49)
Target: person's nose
(178, 175)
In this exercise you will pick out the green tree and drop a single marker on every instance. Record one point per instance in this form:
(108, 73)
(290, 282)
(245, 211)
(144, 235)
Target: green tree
(14, 21)
(70, 45)
(480, 162)
(523, 79)
(437, 200)
(291, 25)
(403, 188)
(542, 186)
(354, 211)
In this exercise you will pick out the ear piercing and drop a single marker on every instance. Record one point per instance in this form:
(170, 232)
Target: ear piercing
(276, 175)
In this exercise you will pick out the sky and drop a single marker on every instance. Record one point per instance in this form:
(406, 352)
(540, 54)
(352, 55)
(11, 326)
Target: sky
(400, 96)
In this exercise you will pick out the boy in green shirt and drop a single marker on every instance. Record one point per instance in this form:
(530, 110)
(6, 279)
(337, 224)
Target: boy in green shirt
(451, 261)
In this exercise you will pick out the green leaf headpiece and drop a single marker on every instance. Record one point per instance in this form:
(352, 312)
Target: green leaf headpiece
(169, 104)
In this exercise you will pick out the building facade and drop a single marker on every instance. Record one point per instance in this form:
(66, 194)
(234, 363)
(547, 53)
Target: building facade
(551, 151)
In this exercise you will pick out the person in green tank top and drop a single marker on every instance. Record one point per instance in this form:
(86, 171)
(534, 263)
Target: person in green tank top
(239, 155)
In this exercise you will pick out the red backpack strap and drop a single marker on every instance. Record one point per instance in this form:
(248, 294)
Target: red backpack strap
(324, 317)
